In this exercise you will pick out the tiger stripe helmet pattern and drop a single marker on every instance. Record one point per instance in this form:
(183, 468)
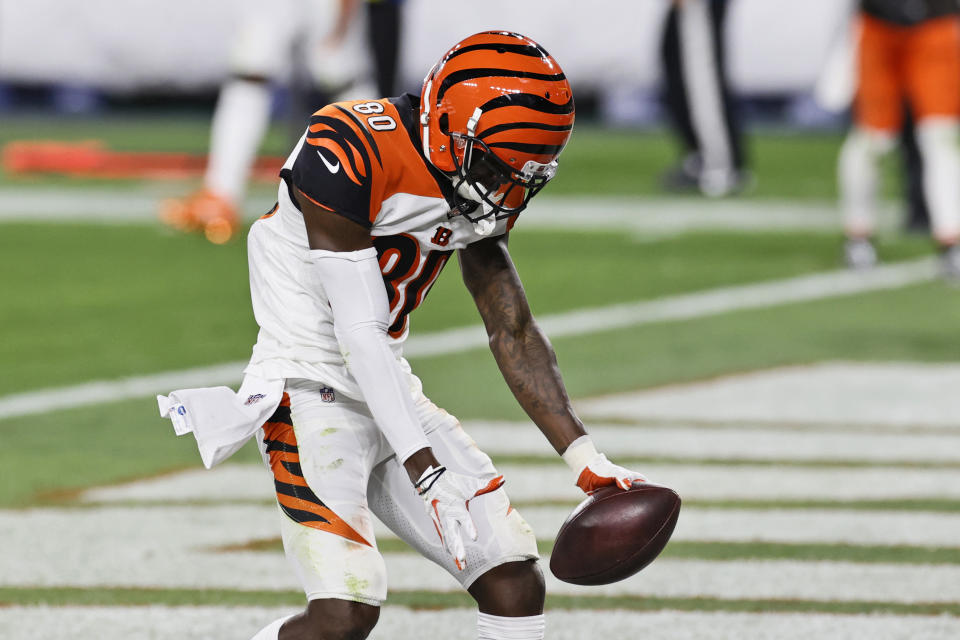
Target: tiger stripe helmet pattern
(495, 113)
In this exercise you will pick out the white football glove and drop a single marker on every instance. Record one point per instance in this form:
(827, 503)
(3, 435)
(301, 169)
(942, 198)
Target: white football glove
(446, 496)
(592, 469)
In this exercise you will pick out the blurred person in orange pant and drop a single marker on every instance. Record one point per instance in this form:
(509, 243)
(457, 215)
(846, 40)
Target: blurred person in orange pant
(907, 51)
(268, 36)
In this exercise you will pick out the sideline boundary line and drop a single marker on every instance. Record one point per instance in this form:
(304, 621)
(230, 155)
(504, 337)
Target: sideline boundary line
(701, 304)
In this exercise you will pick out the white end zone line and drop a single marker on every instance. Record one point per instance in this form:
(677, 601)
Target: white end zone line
(638, 214)
(400, 623)
(712, 302)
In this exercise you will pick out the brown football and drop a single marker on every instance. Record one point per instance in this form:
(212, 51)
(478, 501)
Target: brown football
(613, 534)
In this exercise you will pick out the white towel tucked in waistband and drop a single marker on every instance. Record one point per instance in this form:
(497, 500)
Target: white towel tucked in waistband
(221, 420)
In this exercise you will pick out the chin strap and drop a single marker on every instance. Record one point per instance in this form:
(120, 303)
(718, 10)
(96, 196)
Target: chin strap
(425, 121)
(473, 121)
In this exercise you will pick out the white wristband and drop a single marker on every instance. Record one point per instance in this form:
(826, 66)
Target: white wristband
(579, 453)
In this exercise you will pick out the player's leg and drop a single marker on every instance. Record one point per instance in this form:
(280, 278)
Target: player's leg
(701, 53)
(933, 70)
(877, 117)
(510, 600)
(240, 120)
(320, 447)
(328, 619)
(501, 571)
(917, 213)
(340, 69)
(384, 22)
(858, 176)
(260, 52)
(686, 175)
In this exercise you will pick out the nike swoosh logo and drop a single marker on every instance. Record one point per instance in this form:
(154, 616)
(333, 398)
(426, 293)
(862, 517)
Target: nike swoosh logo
(332, 168)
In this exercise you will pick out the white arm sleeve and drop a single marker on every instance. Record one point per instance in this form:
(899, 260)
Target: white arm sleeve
(354, 286)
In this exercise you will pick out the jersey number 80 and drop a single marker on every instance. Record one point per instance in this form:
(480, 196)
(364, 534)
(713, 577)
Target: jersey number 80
(375, 121)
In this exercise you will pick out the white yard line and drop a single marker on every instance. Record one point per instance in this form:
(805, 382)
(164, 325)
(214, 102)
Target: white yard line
(119, 205)
(864, 394)
(581, 322)
(792, 526)
(102, 391)
(157, 548)
(532, 483)
(191, 525)
(648, 215)
(704, 442)
(399, 623)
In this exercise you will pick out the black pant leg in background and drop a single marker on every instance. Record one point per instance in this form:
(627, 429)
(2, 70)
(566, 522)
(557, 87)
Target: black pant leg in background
(675, 92)
(718, 11)
(677, 97)
(918, 215)
(383, 31)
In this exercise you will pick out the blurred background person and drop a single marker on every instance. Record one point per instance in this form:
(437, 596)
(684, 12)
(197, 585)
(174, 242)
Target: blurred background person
(328, 38)
(699, 100)
(384, 24)
(906, 51)
(917, 219)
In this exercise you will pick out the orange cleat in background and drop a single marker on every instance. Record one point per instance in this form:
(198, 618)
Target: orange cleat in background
(203, 211)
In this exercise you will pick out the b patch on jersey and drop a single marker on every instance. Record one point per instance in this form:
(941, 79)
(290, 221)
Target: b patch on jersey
(442, 236)
(327, 394)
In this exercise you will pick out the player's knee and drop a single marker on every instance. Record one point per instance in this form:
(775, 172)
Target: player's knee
(513, 589)
(332, 619)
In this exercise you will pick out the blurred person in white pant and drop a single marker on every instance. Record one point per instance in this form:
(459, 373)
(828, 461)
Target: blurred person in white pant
(905, 53)
(331, 40)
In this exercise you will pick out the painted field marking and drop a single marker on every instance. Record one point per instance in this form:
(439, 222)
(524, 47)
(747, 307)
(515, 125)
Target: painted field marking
(585, 213)
(254, 522)
(671, 308)
(854, 393)
(400, 623)
(651, 440)
(526, 483)
(103, 549)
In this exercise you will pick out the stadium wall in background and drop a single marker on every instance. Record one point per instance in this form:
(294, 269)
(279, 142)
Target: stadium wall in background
(125, 46)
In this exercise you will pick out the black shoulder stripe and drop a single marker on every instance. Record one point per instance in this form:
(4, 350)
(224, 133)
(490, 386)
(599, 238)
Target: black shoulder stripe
(520, 49)
(524, 125)
(530, 101)
(469, 74)
(345, 132)
(366, 134)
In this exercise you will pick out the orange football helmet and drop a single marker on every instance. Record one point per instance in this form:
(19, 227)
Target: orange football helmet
(495, 113)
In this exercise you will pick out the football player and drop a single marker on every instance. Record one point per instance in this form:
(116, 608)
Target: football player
(374, 200)
(907, 51)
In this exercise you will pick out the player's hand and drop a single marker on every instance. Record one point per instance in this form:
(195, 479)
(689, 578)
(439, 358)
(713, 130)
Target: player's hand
(592, 470)
(445, 495)
(600, 472)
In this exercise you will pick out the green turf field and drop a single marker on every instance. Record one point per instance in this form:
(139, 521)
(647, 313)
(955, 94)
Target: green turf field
(106, 301)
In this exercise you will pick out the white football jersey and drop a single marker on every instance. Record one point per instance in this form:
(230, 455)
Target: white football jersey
(361, 160)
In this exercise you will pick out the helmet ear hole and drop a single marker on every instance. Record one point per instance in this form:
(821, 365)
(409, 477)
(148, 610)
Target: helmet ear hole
(444, 123)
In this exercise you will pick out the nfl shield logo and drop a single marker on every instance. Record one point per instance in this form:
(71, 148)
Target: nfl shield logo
(327, 394)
